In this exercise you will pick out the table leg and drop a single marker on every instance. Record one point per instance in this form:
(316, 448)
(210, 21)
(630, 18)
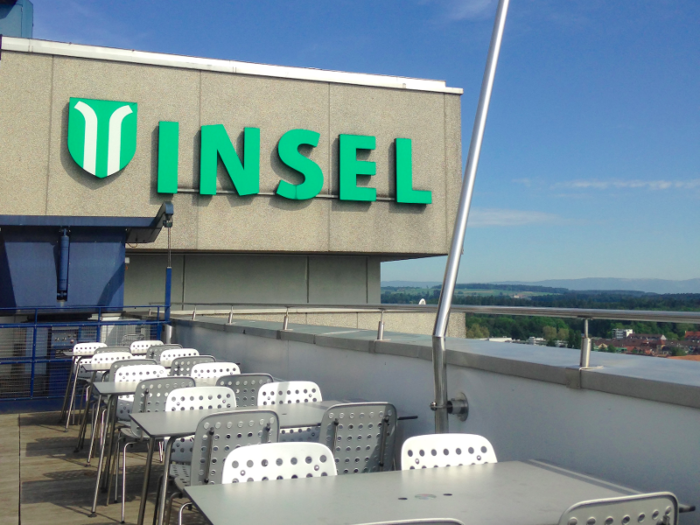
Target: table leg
(146, 479)
(83, 422)
(164, 488)
(110, 423)
(102, 456)
(72, 396)
(66, 396)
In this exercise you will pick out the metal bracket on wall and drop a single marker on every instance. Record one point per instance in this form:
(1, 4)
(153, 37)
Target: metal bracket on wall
(459, 406)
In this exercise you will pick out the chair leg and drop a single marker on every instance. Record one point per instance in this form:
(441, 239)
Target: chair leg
(124, 478)
(166, 518)
(179, 514)
(96, 434)
(160, 450)
(160, 487)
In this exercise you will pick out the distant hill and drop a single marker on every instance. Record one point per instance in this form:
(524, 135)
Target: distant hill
(411, 284)
(660, 286)
(611, 283)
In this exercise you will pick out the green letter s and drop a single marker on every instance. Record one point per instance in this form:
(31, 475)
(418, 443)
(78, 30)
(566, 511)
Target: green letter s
(288, 150)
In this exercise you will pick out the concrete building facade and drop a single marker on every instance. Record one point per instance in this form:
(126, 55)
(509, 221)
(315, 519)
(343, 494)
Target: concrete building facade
(230, 247)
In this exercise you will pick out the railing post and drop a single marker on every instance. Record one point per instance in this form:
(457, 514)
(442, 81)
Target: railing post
(585, 347)
(285, 323)
(31, 385)
(230, 316)
(194, 312)
(380, 327)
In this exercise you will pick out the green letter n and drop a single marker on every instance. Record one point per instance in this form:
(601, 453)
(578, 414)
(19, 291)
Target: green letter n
(217, 144)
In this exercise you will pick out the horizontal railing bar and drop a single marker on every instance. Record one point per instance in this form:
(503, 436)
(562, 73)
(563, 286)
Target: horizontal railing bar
(574, 313)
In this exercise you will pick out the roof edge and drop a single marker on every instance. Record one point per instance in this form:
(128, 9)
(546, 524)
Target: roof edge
(47, 47)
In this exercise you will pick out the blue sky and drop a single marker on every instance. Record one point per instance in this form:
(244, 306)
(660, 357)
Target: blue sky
(590, 165)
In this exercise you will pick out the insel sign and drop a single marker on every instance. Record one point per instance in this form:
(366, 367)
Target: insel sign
(102, 140)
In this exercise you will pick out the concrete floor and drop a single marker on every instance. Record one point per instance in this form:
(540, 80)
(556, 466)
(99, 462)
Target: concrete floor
(42, 480)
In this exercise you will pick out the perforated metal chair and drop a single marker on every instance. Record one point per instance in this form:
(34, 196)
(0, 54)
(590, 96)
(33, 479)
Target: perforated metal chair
(289, 392)
(207, 373)
(274, 461)
(361, 436)
(182, 366)
(245, 386)
(166, 357)
(155, 351)
(141, 347)
(150, 396)
(659, 508)
(217, 435)
(445, 450)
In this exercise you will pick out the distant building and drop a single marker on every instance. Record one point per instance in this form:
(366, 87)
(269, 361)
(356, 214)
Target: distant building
(692, 336)
(621, 333)
(538, 341)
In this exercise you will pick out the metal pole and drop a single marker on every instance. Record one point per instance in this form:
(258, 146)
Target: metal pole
(585, 347)
(452, 268)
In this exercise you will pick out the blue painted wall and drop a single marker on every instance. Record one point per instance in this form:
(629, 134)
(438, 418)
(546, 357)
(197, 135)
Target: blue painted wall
(17, 19)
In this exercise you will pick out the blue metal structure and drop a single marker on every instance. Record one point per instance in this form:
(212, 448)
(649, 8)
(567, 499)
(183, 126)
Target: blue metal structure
(33, 369)
(38, 255)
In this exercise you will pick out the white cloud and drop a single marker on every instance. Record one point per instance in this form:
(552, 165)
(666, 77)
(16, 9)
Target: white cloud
(482, 217)
(653, 185)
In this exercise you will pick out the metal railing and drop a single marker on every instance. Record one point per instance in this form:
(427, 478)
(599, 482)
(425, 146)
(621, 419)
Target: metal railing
(32, 342)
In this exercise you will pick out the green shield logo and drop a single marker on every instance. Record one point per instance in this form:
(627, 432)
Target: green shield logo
(101, 134)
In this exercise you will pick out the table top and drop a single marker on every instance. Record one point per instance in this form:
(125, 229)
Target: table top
(110, 388)
(184, 423)
(506, 493)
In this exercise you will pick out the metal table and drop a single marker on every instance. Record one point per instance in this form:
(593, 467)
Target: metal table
(159, 425)
(507, 493)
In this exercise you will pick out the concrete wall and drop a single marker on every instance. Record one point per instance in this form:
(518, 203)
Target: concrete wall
(643, 444)
(254, 279)
(38, 175)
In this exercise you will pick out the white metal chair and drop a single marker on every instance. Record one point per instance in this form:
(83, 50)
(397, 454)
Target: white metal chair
(445, 450)
(182, 366)
(208, 373)
(274, 461)
(361, 436)
(168, 356)
(141, 347)
(245, 386)
(288, 392)
(154, 352)
(654, 508)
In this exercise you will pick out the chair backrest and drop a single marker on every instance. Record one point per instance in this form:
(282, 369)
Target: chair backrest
(278, 461)
(87, 348)
(138, 373)
(141, 347)
(200, 398)
(245, 386)
(167, 356)
(127, 362)
(288, 392)
(218, 434)
(445, 450)
(213, 370)
(654, 508)
(151, 395)
(182, 366)
(361, 436)
(107, 358)
(154, 351)
(107, 349)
